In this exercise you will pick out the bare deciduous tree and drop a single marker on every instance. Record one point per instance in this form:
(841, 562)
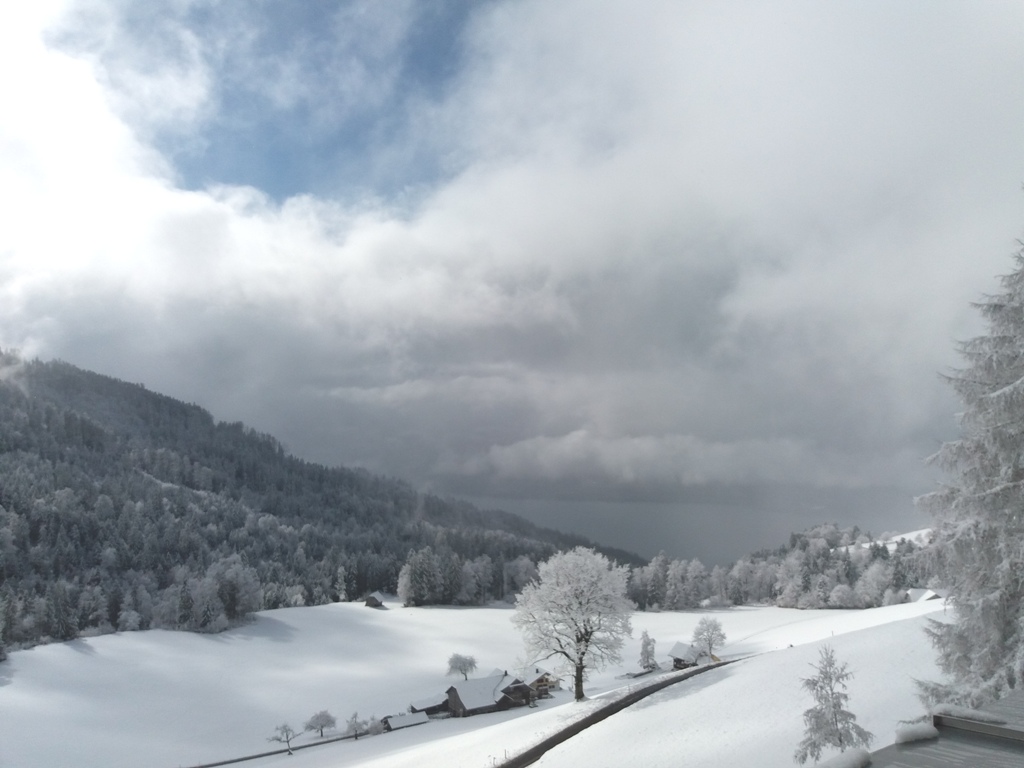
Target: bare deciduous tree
(461, 665)
(284, 734)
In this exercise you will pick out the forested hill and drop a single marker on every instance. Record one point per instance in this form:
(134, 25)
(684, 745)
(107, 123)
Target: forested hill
(123, 508)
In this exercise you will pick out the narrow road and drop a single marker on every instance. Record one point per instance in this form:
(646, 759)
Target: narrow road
(534, 753)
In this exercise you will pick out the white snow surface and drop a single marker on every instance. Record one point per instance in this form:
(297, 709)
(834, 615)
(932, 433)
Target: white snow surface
(165, 699)
(853, 758)
(966, 713)
(916, 732)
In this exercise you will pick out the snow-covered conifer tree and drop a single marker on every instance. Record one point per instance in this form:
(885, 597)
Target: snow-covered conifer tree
(63, 623)
(828, 722)
(979, 512)
(647, 660)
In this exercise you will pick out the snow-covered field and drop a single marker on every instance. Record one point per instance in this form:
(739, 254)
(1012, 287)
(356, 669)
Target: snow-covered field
(164, 699)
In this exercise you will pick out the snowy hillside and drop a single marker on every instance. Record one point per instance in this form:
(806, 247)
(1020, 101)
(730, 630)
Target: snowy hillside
(182, 699)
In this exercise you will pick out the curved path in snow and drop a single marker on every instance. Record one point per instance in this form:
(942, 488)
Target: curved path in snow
(534, 753)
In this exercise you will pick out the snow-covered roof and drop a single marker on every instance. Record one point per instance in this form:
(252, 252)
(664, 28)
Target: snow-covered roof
(483, 691)
(532, 674)
(684, 651)
(405, 719)
(429, 701)
(990, 737)
(917, 595)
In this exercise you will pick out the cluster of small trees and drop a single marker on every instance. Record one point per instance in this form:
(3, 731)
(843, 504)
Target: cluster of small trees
(324, 721)
(824, 567)
(444, 578)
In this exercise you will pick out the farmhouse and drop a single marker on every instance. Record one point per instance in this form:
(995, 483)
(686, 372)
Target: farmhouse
(487, 694)
(542, 682)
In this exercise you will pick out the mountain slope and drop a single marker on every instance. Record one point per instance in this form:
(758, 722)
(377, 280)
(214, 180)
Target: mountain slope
(123, 508)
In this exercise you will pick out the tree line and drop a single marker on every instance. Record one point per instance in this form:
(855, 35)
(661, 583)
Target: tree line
(823, 567)
(123, 509)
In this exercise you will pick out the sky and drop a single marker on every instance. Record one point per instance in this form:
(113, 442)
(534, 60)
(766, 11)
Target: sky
(676, 275)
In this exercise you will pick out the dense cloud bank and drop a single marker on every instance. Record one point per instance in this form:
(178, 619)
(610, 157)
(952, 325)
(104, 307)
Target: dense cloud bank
(638, 251)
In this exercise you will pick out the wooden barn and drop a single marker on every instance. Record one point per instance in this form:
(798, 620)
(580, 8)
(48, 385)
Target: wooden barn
(432, 705)
(685, 656)
(375, 600)
(487, 694)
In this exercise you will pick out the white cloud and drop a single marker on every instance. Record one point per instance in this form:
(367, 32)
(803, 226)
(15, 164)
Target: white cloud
(693, 243)
(681, 461)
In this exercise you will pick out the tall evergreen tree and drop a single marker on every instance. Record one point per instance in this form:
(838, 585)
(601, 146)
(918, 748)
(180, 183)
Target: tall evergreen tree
(63, 624)
(979, 512)
(829, 723)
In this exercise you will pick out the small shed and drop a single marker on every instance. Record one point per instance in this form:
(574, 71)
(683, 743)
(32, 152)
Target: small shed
(685, 656)
(487, 694)
(404, 720)
(375, 600)
(432, 705)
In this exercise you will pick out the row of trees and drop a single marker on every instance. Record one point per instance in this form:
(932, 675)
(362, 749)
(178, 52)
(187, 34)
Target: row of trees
(324, 721)
(444, 578)
(824, 567)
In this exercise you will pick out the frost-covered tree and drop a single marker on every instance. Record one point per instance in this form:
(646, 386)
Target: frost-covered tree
(708, 635)
(828, 722)
(284, 734)
(516, 574)
(341, 584)
(979, 512)
(697, 587)
(461, 665)
(647, 660)
(320, 722)
(577, 610)
(421, 582)
(657, 581)
(871, 586)
(354, 727)
(675, 585)
(374, 726)
(61, 619)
